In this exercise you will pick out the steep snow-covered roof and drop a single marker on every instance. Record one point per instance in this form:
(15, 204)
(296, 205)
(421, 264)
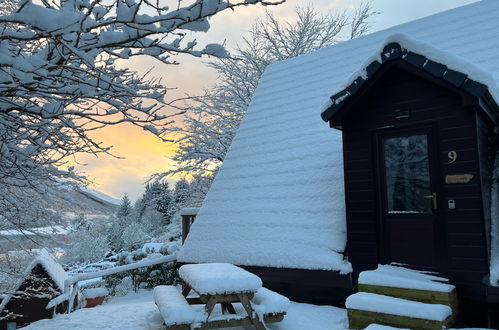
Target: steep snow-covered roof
(51, 266)
(45, 259)
(278, 199)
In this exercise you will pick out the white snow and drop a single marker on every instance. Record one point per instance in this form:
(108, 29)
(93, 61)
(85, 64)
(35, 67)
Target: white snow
(133, 311)
(389, 305)
(219, 278)
(95, 292)
(173, 307)
(399, 277)
(100, 195)
(48, 230)
(494, 242)
(189, 211)
(430, 51)
(51, 266)
(152, 259)
(382, 327)
(278, 199)
(216, 50)
(125, 313)
(266, 301)
(175, 310)
(153, 247)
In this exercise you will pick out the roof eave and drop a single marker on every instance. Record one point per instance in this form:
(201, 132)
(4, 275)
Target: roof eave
(394, 51)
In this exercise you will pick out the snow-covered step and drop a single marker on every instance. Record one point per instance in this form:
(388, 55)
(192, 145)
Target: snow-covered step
(375, 326)
(366, 308)
(408, 284)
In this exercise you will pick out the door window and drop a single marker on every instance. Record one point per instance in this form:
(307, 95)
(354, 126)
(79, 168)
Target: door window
(407, 174)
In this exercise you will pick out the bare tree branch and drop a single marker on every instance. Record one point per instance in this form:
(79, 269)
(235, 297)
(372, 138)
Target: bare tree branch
(210, 126)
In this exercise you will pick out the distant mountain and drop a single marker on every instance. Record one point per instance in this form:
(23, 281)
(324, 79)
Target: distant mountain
(61, 204)
(72, 200)
(50, 215)
(99, 196)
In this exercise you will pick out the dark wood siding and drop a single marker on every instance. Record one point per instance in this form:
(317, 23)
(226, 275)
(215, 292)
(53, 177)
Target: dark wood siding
(487, 149)
(462, 240)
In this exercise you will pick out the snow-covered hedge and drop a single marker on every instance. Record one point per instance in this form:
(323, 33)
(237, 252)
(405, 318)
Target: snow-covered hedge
(147, 277)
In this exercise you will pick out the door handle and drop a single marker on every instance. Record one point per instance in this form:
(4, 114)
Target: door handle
(434, 197)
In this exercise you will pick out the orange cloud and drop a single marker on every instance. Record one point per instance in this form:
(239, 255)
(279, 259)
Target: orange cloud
(143, 154)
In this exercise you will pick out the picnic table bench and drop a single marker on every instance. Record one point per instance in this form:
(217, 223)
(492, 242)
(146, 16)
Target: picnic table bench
(242, 299)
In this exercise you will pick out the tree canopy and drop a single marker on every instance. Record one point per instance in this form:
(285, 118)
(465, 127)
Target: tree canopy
(59, 79)
(208, 129)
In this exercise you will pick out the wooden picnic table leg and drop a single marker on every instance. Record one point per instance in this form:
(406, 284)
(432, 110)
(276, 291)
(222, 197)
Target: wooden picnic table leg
(227, 307)
(251, 313)
(210, 304)
(185, 289)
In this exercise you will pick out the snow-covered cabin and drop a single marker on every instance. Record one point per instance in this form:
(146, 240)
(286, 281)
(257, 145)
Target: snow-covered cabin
(416, 106)
(43, 281)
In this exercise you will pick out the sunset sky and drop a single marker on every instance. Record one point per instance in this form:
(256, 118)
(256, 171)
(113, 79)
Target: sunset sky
(145, 154)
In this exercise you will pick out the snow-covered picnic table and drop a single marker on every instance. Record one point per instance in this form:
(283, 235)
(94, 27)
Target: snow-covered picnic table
(205, 286)
(219, 278)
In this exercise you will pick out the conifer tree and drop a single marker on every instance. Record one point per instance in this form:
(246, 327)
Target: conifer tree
(125, 208)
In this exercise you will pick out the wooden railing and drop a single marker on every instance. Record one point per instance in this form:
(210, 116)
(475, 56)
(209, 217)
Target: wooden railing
(71, 284)
(188, 216)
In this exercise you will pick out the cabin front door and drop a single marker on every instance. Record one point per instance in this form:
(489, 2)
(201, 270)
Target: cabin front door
(407, 190)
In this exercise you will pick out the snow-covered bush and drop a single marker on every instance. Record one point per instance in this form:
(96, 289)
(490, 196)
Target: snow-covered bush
(153, 222)
(147, 277)
(133, 237)
(81, 222)
(85, 246)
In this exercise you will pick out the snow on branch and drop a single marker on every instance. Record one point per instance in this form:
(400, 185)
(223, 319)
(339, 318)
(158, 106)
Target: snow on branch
(59, 80)
(209, 128)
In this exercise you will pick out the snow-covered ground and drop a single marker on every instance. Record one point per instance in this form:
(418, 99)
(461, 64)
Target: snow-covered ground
(133, 310)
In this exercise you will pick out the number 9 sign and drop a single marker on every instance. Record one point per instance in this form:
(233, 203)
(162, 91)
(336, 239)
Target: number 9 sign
(452, 156)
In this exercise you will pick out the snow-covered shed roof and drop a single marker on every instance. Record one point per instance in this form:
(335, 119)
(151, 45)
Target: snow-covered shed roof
(48, 262)
(51, 266)
(446, 66)
(278, 199)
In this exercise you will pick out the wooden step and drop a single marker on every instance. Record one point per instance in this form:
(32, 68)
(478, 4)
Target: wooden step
(429, 297)
(368, 308)
(408, 284)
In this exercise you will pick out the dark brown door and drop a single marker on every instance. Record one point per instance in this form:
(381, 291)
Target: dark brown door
(407, 203)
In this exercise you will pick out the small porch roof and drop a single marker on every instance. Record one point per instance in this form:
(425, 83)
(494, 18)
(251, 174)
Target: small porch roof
(454, 70)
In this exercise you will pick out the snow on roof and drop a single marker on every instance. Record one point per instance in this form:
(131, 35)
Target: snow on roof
(45, 259)
(51, 266)
(407, 44)
(278, 199)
